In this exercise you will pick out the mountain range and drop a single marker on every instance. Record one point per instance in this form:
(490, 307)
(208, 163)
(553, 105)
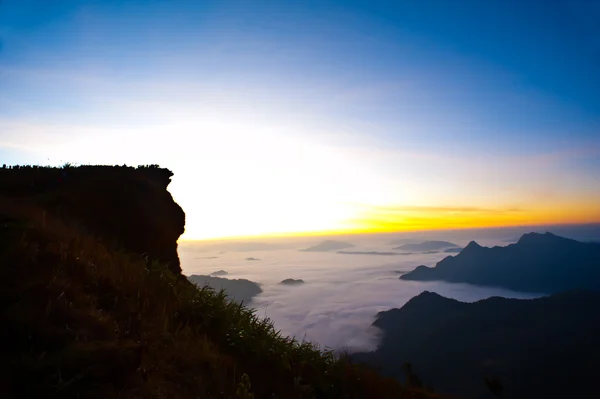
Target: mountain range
(541, 263)
(537, 348)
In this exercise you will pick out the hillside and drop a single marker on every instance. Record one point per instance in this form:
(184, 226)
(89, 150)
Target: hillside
(93, 304)
(239, 290)
(543, 263)
(538, 348)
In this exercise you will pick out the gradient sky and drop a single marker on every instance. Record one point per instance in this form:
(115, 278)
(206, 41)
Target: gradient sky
(316, 116)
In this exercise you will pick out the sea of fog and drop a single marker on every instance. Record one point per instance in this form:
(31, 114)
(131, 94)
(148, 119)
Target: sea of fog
(342, 293)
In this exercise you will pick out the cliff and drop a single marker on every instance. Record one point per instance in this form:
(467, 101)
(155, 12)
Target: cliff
(127, 208)
(90, 310)
(543, 263)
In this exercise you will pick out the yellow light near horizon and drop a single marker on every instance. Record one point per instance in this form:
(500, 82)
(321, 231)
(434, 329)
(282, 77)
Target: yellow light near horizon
(268, 185)
(234, 178)
(241, 178)
(581, 212)
(309, 222)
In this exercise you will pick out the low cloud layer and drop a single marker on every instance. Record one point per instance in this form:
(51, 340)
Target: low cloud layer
(341, 294)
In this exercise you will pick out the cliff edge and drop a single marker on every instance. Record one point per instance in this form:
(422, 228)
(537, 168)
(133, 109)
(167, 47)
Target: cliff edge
(125, 207)
(89, 309)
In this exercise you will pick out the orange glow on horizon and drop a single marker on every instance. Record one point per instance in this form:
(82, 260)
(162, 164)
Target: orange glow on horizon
(326, 233)
(419, 222)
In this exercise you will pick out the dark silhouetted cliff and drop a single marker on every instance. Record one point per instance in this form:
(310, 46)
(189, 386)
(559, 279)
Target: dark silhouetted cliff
(90, 310)
(126, 207)
(538, 348)
(543, 263)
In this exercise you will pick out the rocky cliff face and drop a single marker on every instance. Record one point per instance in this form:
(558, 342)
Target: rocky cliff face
(125, 207)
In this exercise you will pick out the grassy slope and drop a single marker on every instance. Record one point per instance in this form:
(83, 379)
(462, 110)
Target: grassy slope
(83, 320)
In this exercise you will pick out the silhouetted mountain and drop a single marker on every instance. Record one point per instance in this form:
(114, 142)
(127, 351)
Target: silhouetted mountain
(426, 246)
(540, 348)
(291, 281)
(328, 245)
(219, 273)
(536, 263)
(370, 253)
(239, 290)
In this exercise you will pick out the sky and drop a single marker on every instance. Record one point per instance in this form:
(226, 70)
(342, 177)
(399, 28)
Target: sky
(305, 117)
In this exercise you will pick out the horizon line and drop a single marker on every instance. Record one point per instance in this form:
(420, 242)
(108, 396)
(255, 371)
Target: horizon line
(368, 232)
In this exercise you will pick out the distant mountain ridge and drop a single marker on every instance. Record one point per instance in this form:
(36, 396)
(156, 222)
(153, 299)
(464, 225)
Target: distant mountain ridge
(537, 348)
(328, 245)
(543, 263)
(426, 246)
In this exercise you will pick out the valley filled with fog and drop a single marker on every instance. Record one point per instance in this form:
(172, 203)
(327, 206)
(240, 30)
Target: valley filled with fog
(341, 293)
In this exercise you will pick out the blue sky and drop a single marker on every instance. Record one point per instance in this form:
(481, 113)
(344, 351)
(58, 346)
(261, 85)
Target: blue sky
(491, 104)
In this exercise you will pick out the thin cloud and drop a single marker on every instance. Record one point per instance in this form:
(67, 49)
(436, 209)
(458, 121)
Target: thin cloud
(400, 209)
(564, 156)
(446, 209)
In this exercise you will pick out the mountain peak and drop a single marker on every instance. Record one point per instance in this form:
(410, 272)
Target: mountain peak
(429, 296)
(428, 293)
(472, 245)
(428, 299)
